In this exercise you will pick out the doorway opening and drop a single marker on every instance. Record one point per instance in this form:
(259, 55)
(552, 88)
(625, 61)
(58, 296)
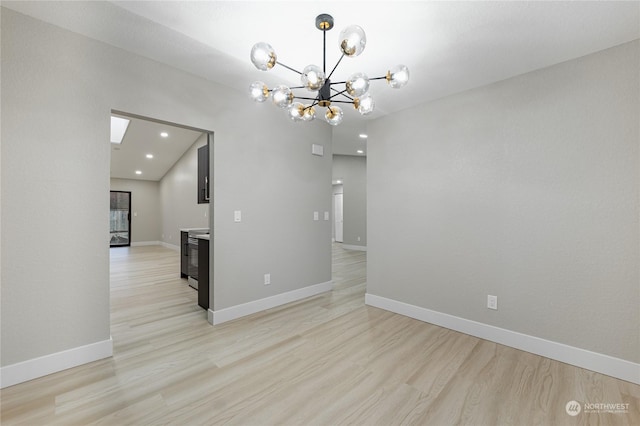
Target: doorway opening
(338, 220)
(120, 219)
(157, 161)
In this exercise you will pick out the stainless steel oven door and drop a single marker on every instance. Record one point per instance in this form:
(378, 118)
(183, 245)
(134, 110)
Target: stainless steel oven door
(193, 262)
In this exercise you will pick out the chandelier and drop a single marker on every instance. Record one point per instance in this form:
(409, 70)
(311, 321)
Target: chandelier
(354, 90)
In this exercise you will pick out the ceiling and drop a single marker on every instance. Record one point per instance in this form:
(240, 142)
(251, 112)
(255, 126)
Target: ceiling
(449, 47)
(142, 138)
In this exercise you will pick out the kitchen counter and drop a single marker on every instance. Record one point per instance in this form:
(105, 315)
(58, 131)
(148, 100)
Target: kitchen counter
(203, 236)
(194, 229)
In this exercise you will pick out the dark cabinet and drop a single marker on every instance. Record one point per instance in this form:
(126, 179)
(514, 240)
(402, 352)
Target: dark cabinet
(184, 254)
(203, 174)
(203, 273)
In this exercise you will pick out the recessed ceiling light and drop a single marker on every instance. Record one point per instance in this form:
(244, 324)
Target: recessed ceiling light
(119, 127)
(363, 135)
(138, 172)
(149, 155)
(164, 134)
(360, 151)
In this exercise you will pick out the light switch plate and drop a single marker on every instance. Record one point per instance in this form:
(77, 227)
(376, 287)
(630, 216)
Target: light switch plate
(326, 215)
(237, 216)
(317, 150)
(316, 216)
(492, 302)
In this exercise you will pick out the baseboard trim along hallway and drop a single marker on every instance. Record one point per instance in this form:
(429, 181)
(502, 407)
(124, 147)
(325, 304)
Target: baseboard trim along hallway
(352, 247)
(605, 364)
(37, 367)
(170, 246)
(238, 311)
(146, 243)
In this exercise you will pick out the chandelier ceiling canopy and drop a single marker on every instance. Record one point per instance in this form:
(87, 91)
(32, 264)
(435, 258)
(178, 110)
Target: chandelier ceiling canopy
(354, 90)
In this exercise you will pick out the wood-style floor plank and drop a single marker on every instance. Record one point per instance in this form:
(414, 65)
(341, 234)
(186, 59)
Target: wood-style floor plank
(325, 360)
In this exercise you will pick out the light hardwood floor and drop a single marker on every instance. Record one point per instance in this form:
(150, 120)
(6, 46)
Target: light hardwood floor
(326, 360)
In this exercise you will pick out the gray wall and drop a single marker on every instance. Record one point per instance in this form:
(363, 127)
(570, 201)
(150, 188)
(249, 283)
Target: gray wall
(50, 75)
(145, 208)
(352, 170)
(178, 196)
(266, 171)
(527, 189)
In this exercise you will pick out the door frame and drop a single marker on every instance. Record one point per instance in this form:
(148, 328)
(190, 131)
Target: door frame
(338, 213)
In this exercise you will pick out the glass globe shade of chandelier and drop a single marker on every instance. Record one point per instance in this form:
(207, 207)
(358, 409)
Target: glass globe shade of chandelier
(355, 90)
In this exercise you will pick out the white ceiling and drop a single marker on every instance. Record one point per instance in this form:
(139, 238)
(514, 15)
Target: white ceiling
(449, 47)
(142, 138)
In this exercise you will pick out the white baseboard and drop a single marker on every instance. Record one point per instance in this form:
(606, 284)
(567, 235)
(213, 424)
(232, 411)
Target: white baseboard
(32, 369)
(145, 243)
(601, 363)
(352, 247)
(155, 243)
(169, 246)
(238, 311)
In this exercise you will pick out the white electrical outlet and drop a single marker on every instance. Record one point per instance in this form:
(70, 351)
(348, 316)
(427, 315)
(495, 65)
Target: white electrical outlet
(492, 302)
(326, 215)
(316, 216)
(267, 279)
